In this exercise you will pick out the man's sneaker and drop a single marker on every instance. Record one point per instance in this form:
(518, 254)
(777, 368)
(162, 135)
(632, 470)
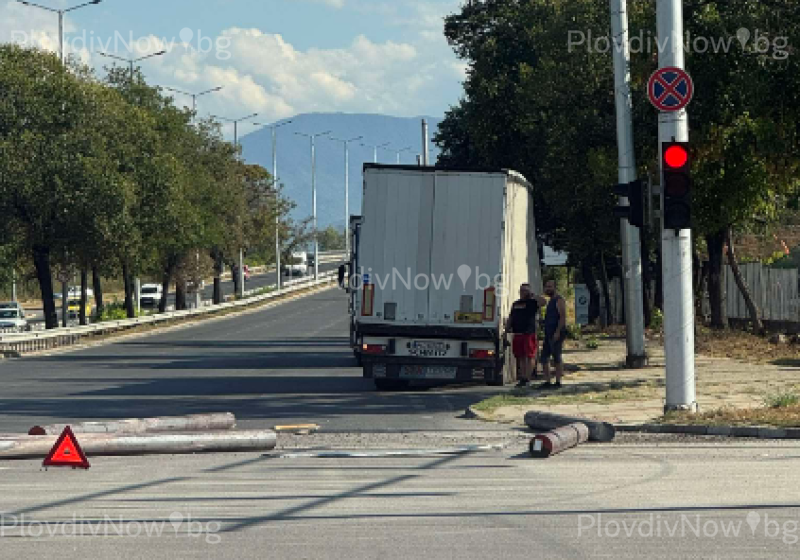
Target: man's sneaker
(557, 385)
(522, 383)
(545, 386)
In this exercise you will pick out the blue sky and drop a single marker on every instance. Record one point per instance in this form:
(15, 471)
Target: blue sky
(274, 57)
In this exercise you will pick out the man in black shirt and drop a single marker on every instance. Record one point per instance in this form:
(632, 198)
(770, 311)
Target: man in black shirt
(522, 322)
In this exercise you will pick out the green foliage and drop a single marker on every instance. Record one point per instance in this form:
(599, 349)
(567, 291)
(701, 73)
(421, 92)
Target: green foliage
(331, 239)
(657, 319)
(110, 175)
(782, 399)
(574, 332)
(113, 312)
(592, 343)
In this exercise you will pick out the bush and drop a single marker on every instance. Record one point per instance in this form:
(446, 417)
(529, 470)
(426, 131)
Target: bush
(783, 399)
(657, 319)
(113, 312)
(574, 332)
(592, 343)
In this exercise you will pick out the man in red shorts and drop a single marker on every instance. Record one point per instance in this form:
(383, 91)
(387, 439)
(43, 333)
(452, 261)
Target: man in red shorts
(522, 322)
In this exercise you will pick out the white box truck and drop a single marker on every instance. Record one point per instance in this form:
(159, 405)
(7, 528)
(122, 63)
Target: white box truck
(438, 260)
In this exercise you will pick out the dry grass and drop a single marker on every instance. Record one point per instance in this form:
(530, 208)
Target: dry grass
(745, 347)
(784, 417)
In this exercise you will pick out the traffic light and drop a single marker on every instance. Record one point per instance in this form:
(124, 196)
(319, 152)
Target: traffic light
(634, 212)
(676, 185)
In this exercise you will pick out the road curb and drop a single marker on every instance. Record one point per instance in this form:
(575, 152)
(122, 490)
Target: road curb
(752, 432)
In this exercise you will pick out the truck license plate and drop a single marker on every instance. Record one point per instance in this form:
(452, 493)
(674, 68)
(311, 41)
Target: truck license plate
(428, 349)
(428, 372)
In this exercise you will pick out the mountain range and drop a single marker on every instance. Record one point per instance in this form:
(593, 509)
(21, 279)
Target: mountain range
(294, 156)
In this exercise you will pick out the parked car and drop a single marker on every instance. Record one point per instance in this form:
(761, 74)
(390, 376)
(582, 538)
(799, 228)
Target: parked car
(13, 318)
(150, 295)
(298, 265)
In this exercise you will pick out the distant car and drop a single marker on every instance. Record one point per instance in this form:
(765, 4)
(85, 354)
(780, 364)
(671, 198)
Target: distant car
(150, 295)
(10, 305)
(298, 265)
(13, 318)
(74, 308)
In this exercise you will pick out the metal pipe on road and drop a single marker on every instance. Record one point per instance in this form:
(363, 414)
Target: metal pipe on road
(37, 447)
(191, 423)
(556, 441)
(598, 431)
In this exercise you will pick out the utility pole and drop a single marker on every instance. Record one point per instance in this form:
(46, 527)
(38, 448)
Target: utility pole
(240, 271)
(347, 190)
(274, 128)
(14, 284)
(425, 143)
(676, 245)
(314, 195)
(131, 61)
(631, 241)
(375, 149)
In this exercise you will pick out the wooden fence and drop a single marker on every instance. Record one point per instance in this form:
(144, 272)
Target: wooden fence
(774, 290)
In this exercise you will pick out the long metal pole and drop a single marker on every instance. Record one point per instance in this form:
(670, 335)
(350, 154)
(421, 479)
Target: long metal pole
(314, 205)
(425, 144)
(346, 199)
(277, 213)
(375, 155)
(676, 247)
(14, 284)
(631, 241)
(61, 36)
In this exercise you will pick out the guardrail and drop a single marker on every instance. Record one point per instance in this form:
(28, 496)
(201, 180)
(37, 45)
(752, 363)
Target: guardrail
(18, 343)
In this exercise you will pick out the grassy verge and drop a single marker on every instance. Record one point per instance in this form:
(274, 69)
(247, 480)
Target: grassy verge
(780, 409)
(590, 393)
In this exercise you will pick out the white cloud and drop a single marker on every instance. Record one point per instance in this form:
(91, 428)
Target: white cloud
(338, 4)
(265, 73)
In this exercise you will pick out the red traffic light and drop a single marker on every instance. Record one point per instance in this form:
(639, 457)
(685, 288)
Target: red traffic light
(676, 156)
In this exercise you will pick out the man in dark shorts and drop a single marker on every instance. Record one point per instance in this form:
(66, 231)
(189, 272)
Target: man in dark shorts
(555, 330)
(522, 322)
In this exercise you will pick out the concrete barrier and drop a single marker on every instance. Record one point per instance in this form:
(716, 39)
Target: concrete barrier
(191, 423)
(558, 440)
(598, 431)
(94, 445)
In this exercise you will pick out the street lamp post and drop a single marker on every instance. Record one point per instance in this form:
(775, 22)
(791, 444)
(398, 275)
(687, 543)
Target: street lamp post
(132, 61)
(60, 19)
(314, 195)
(274, 128)
(236, 122)
(375, 149)
(347, 191)
(194, 96)
(406, 149)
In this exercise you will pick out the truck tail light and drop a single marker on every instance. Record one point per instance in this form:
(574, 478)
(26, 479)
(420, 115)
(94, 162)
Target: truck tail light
(489, 304)
(368, 300)
(373, 349)
(481, 354)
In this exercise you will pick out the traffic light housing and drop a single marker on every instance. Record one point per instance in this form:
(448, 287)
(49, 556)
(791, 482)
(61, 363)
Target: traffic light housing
(635, 210)
(676, 185)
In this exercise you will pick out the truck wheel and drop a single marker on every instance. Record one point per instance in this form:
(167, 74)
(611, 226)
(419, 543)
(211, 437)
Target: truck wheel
(390, 384)
(501, 375)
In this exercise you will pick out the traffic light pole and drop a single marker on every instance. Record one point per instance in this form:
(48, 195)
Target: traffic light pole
(631, 241)
(676, 245)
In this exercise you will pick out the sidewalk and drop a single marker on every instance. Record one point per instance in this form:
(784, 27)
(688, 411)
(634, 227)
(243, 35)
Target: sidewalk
(602, 389)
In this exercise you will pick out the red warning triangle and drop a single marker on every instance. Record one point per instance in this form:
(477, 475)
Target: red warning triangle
(66, 452)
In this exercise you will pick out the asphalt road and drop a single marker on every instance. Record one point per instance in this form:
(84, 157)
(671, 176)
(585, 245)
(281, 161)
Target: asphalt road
(289, 363)
(704, 501)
